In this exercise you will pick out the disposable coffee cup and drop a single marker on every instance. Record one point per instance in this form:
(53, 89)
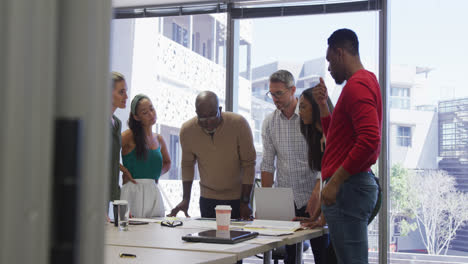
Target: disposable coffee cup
(121, 214)
(223, 217)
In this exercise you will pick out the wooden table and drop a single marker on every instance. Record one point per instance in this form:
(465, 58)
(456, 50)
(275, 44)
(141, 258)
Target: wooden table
(157, 255)
(156, 236)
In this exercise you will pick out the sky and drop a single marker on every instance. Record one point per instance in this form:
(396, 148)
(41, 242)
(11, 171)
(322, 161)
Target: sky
(426, 33)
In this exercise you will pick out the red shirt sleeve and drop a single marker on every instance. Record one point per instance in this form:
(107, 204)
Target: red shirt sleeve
(325, 124)
(362, 106)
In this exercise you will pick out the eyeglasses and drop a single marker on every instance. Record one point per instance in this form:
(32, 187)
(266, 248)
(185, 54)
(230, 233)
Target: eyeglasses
(171, 223)
(211, 118)
(276, 95)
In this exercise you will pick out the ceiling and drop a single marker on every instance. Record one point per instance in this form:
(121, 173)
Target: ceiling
(148, 3)
(141, 3)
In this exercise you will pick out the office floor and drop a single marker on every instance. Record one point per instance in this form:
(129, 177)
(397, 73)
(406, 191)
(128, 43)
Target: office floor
(373, 259)
(308, 259)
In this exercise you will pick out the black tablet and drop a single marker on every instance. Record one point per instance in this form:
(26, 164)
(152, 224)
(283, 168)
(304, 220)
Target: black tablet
(132, 222)
(220, 237)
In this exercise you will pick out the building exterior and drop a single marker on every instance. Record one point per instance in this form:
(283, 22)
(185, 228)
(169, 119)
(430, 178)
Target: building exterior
(413, 135)
(413, 124)
(425, 136)
(453, 151)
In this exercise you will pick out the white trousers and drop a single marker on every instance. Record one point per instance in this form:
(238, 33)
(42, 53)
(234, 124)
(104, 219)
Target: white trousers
(144, 198)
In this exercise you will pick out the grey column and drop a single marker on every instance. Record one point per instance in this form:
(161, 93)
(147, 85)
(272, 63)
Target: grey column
(27, 101)
(249, 62)
(83, 93)
(232, 65)
(384, 171)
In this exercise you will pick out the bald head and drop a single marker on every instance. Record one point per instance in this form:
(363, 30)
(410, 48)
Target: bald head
(206, 101)
(208, 111)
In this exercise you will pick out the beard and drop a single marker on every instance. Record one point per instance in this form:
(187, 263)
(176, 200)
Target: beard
(338, 79)
(281, 107)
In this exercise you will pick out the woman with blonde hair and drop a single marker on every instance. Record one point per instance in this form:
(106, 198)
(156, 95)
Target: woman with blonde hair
(119, 100)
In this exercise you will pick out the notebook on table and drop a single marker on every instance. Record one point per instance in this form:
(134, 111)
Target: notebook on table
(274, 204)
(220, 237)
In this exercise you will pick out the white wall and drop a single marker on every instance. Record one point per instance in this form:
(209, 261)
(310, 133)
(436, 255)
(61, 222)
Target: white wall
(122, 38)
(424, 148)
(27, 84)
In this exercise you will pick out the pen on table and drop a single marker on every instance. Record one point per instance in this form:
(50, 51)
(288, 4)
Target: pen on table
(127, 255)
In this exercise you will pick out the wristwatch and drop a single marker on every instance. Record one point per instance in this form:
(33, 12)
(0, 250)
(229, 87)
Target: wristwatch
(245, 199)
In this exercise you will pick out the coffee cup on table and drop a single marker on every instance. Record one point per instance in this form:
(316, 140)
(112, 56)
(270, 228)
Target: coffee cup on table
(223, 217)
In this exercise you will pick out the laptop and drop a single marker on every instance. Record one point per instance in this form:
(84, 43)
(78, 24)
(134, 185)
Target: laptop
(274, 204)
(220, 237)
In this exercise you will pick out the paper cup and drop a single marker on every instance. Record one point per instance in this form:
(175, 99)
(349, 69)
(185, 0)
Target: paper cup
(223, 217)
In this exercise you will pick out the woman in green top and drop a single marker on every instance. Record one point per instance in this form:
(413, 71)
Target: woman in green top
(145, 155)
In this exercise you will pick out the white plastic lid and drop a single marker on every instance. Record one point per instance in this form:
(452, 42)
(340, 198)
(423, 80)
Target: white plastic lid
(117, 202)
(223, 207)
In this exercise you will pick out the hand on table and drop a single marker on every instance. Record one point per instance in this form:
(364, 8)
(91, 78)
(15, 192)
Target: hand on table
(182, 206)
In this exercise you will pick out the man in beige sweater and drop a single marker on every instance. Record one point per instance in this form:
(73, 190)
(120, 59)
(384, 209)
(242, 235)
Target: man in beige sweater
(222, 145)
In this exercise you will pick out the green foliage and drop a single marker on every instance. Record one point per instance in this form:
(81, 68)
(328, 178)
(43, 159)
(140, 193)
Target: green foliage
(399, 199)
(399, 189)
(406, 227)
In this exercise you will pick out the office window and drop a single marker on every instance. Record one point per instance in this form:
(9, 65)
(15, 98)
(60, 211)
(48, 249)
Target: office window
(428, 99)
(179, 30)
(434, 156)
(175, 153)
(404, 136)
(400, 97)
(172, 59)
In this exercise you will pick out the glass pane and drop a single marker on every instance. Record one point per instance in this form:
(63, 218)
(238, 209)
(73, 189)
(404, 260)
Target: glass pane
(428, 155)
(171, 59)
(297, 44)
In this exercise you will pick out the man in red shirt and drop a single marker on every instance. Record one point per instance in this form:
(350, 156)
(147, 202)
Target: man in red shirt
(353, 134)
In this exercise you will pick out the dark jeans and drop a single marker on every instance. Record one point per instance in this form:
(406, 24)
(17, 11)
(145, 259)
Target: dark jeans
(207, 207)
(319, 245)
(347, 218)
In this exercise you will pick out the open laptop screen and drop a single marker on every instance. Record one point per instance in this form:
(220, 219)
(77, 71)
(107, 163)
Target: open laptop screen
(274, 204)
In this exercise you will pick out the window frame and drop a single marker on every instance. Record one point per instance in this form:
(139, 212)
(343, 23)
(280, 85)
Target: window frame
(404, 140)
(236, 11)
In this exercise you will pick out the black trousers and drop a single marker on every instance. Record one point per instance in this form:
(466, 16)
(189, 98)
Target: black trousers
(207, 207)
(319, 245)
